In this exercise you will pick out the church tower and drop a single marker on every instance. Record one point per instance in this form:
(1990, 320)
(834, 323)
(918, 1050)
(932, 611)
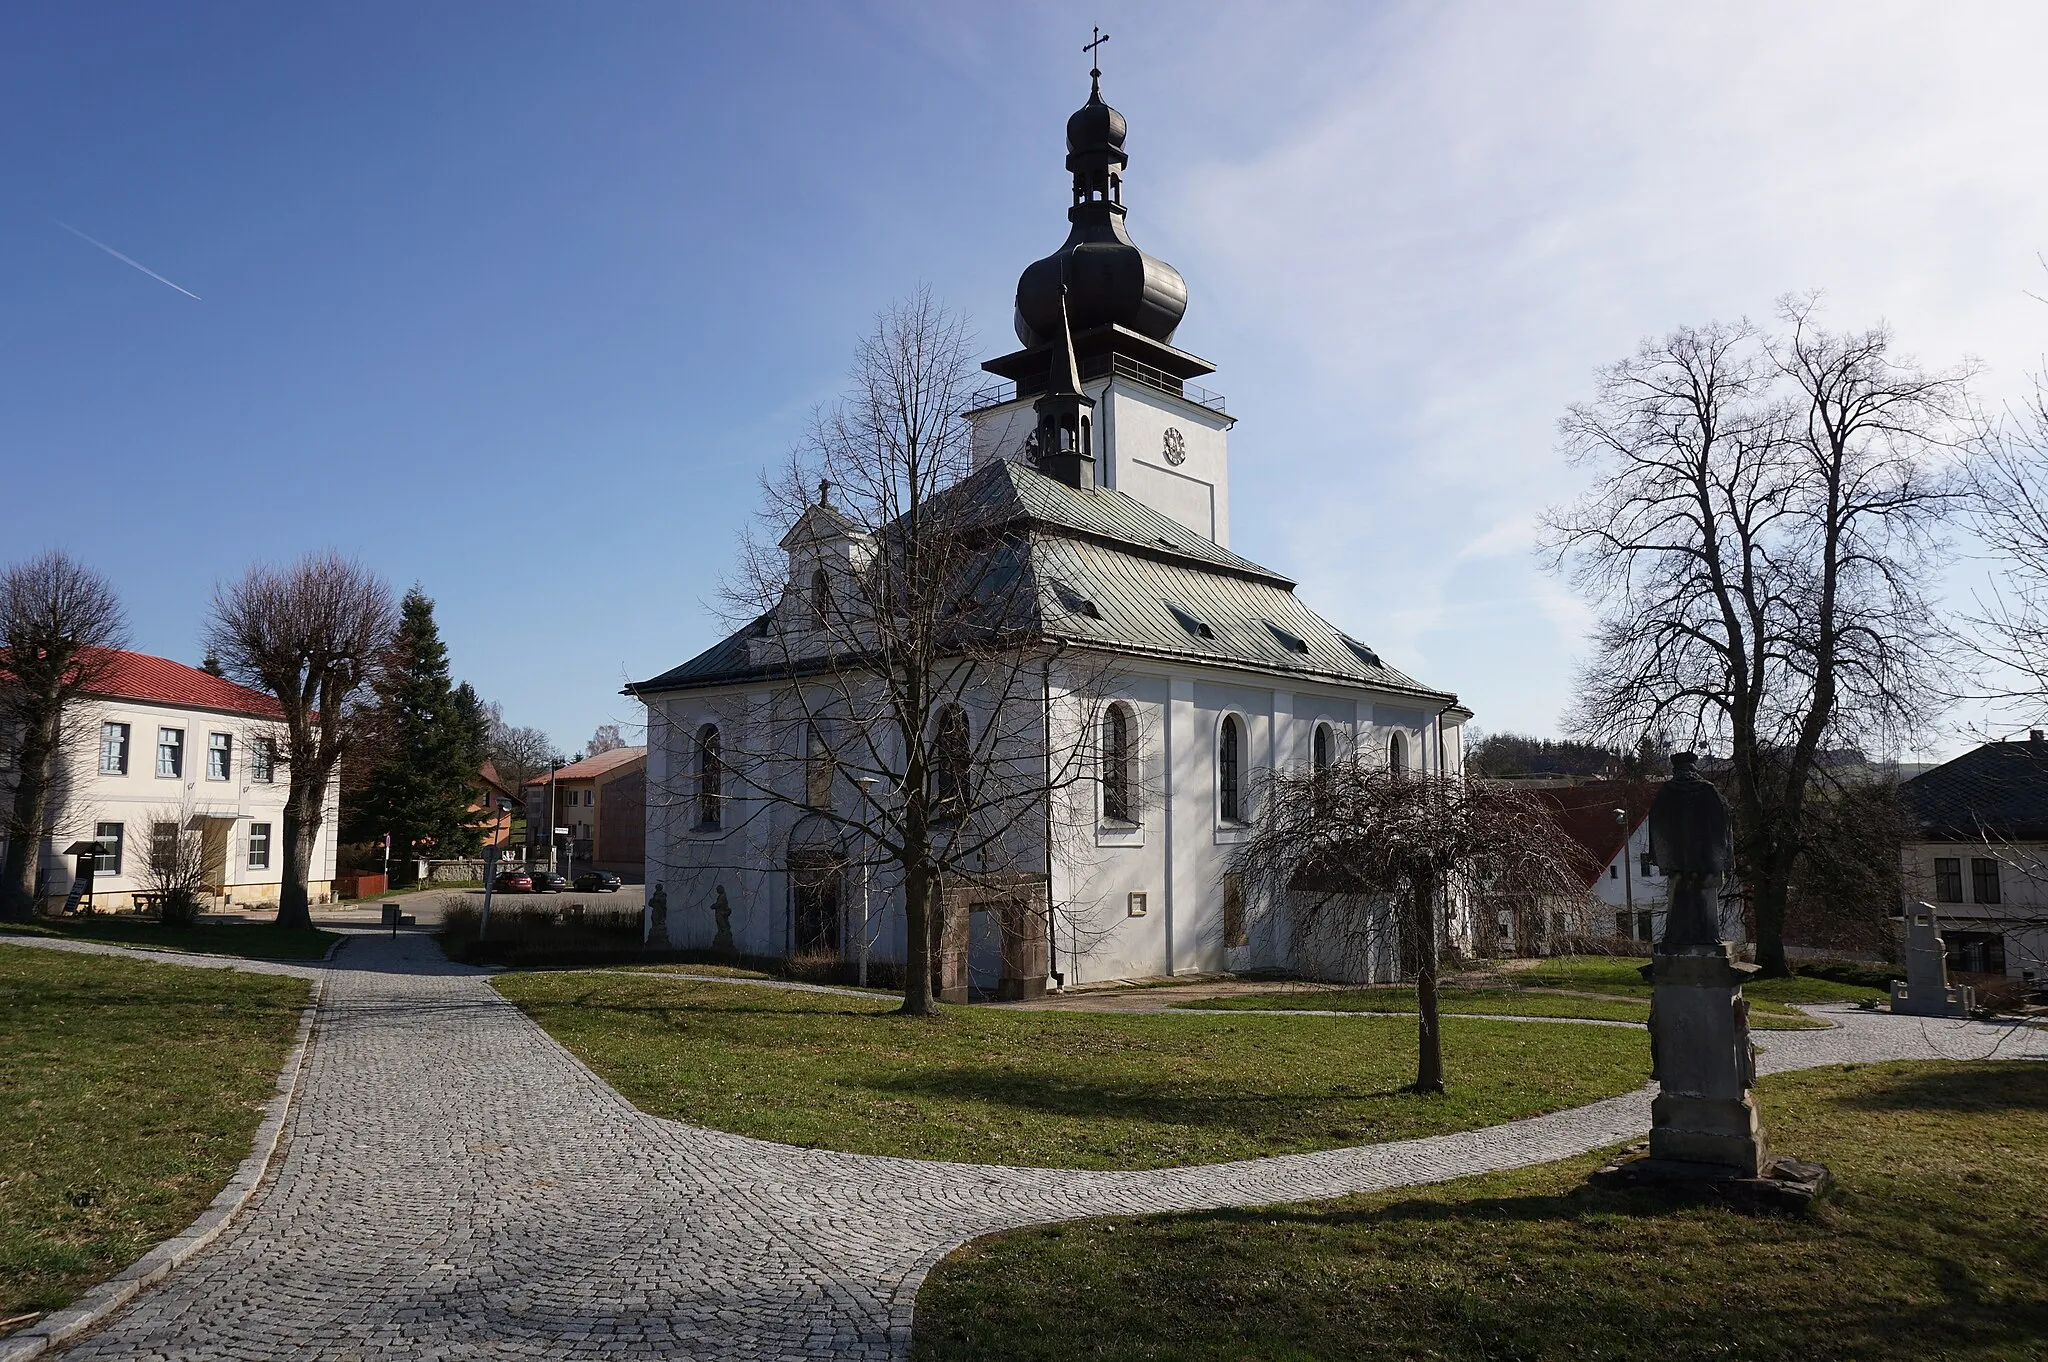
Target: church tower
(1098, 369)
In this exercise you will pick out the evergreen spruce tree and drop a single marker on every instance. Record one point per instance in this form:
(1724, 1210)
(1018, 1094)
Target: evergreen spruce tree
(426, 775)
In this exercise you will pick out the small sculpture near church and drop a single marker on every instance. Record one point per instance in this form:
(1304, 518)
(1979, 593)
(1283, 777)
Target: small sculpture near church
(721, 913)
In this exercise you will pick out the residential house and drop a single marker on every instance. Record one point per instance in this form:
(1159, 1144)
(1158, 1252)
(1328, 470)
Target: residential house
(158, 747)
(1979, 853)
(602, 801)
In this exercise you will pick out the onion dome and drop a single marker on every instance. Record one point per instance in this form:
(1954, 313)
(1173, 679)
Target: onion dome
(1105, 278)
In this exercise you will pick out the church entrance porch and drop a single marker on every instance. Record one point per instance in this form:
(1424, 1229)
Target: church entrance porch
(992, 940)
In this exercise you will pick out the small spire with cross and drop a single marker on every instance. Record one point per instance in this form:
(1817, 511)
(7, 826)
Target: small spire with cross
(824, 491)
(1094, 51)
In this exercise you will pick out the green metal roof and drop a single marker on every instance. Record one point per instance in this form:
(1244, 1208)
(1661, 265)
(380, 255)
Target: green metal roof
(1112, 573)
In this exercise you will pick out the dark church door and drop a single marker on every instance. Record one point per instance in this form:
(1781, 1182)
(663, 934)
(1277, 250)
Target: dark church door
(817, 905)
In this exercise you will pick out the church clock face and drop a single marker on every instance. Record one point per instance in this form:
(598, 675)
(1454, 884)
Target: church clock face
(1176, 446)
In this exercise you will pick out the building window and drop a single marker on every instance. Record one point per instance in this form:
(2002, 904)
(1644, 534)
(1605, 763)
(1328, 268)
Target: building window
(951, 756)
(1235, 933)
(1116, 764)
(1614, 873)
(817, 770)
(220, 755)
(170, 751)
(1230, 770)
(1948, 879)
(1322, 757)
(1397, 752)
(1649, 867)
(263, 761)
(163, 846)
(109, 836)
(1984, 879)
(821, 594)
(259, 846)
(710, 777)
(114, 749)
(1975, 952)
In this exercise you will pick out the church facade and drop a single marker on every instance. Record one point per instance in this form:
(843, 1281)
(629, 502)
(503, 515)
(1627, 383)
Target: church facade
(1190, 667)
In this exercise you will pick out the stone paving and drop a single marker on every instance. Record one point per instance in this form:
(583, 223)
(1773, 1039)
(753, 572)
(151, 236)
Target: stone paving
(456, 1185)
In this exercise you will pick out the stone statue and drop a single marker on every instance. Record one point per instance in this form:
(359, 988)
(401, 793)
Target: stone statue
(1689, 838)
(657, 915)
(721, 912)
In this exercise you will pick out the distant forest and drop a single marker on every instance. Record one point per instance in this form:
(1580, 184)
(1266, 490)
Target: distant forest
(1522, 754)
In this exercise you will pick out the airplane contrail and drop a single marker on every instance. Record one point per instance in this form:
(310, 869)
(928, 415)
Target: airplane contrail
(125, 260)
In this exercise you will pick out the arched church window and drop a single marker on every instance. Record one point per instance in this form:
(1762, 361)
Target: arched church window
(1321, 757)
(1116, 764)
(1230, 770)
(950, 757)
(1397, 752)
(817, 769)
(821, 594)
(710, 778)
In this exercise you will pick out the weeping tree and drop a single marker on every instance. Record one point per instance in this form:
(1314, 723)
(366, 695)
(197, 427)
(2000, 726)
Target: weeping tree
(314, 635)
(1366, 862)
(1759, 540)
(58, 622)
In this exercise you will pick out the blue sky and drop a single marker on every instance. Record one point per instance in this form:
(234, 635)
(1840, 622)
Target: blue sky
(515, 300)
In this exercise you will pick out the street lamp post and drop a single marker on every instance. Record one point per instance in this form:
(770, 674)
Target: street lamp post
(1628, 886)
(867, 872)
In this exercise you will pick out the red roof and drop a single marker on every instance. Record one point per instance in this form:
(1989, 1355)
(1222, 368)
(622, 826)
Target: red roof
(138, 676)
(1586, 813)
(592, 767)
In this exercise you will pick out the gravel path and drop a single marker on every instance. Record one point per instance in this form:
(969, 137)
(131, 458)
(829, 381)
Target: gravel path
(456, 1185)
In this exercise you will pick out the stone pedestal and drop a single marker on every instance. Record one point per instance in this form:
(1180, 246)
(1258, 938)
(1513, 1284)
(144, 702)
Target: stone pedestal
(1926, 991)
(1699, 1039)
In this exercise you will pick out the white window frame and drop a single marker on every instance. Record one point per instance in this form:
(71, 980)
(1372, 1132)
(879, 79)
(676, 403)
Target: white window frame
(127, 735)
(226, 749)
(264, 863)
(176, 749)
(263, 761)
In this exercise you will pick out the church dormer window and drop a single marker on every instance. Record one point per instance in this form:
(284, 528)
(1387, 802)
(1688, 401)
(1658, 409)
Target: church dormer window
(1116, 764)
(821, 595)
(1230, 770)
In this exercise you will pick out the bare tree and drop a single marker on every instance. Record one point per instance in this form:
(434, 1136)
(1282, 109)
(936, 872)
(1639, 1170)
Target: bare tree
(1364, 861)
(607, 738)
(58, 621)
(176, 868)
(312, 634)
(2009, 513)
(520, 754)
(895, 612)
(1765, 513)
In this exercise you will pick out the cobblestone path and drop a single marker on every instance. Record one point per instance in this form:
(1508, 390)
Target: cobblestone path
(456, 1185)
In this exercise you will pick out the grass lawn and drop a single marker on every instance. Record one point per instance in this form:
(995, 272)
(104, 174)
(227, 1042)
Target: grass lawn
(1935, 1246)
(1623, 975)
(247, 940)
(129, 1092)
(1052, 1089)
(1763, 1015)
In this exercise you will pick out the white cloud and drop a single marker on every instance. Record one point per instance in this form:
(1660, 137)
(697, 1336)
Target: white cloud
(1419, 273)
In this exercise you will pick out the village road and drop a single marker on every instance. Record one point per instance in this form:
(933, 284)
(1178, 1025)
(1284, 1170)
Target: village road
(456, 1185)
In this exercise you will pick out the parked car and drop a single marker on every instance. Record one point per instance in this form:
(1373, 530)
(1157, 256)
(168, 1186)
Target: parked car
(598, 882)
(548, 882)
(513, 882)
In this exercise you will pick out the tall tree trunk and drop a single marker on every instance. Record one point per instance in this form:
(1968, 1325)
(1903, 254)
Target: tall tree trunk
(29, 814)
(1429, 1057)
(294, 903)
(1769, 893)
(920, 923)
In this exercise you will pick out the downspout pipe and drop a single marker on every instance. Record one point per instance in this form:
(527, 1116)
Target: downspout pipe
(1052, 950)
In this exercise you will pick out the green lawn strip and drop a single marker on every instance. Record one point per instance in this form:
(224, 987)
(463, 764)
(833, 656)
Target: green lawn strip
(245, 940)
(1935, 1246)
(1763, 1016)
(1053, 1089)
(1623, 975)
(129, 1092)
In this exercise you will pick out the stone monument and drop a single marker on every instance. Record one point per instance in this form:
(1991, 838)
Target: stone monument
(1704, 1123)
(1926, 991)
(721, 914)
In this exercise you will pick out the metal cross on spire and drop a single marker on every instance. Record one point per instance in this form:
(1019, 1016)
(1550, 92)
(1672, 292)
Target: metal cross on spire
(1095, 58)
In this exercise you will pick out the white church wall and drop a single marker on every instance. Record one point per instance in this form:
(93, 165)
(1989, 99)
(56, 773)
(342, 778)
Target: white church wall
(1132, 424)
(1000, 432)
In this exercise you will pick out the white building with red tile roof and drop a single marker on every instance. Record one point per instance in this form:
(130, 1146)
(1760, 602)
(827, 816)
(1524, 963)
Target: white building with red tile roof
(159, 746)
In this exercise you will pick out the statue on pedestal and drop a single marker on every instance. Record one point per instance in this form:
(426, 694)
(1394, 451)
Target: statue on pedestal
(721, 913)
(1704, 1125)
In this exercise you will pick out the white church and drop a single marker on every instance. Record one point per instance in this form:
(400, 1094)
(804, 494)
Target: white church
(1099, 443)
